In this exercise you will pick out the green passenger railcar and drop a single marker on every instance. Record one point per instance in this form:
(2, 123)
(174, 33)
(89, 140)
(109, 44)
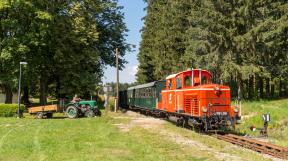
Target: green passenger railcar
(146, 95)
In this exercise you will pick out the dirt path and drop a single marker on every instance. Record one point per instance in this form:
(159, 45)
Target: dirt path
(138, 120)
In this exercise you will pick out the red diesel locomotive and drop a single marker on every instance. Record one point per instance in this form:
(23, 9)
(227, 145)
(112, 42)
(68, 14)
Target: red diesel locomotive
(188, 98)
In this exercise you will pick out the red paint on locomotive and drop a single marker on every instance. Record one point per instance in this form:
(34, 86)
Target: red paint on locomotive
(191, 93)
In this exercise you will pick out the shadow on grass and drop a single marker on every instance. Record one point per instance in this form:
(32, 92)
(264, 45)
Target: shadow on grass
(58, 117)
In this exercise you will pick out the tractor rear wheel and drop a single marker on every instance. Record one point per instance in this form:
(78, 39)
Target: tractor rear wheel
(72, 112)
(89, 114)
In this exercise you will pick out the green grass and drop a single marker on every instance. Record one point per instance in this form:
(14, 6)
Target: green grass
(99, 139)
(82, 139)
(278, 127)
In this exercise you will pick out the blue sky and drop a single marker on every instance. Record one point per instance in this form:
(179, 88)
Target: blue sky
(133, 12)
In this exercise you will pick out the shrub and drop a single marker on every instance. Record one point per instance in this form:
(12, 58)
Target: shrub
(9, 110)
(100, 101)
(112, 103)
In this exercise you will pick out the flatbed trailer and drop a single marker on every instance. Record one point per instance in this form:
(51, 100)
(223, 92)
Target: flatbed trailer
(44, 111)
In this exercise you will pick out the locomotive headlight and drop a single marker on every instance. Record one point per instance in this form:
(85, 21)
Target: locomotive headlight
(204, 109)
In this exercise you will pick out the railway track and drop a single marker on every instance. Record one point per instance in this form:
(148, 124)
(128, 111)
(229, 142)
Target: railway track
(259, 146)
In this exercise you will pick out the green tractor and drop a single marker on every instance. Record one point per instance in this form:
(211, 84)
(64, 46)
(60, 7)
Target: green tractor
(82, 108)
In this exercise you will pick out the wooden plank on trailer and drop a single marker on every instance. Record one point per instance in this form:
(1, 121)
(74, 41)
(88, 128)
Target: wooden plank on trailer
(43, 108)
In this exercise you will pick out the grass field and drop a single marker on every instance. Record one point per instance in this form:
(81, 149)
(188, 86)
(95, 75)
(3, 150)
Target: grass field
(278, 127)
(101, 139)
(79, 139)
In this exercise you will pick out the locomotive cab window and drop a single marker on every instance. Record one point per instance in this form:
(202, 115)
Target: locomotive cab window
(206, 80)
(169, 84)
(187, 81)
(178, 83)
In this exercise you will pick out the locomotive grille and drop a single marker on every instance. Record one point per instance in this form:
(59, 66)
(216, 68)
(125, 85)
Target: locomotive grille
(191, 105)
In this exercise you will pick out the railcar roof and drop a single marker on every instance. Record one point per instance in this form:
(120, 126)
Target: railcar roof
(142, 86)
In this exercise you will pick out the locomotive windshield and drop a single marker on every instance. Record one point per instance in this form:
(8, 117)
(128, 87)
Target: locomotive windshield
(206, 79)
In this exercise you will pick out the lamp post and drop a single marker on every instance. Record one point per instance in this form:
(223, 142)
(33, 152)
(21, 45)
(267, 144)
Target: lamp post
(117, 79)
(19, 89)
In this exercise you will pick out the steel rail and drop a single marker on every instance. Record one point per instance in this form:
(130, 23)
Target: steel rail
(258, 146)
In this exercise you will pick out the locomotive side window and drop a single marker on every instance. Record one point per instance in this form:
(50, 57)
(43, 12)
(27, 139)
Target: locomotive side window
(187, 81)
(204, 80)
(178, 83)
(169, 84)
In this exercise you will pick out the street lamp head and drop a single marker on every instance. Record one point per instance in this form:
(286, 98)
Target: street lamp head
(23, 63)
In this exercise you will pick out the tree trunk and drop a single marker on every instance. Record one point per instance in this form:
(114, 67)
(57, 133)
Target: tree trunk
(267, 87)
(250, 87)
(261, 87)
(246, 89)
(25, 98)
(8, 94)
(43, 89)
(280, 88)
(239, 90)
(285, 89)
(273, 90)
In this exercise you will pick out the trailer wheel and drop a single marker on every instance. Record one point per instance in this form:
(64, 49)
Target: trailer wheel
(39, 115)
(72, 112)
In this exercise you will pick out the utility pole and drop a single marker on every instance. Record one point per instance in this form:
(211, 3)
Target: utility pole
(117, 83)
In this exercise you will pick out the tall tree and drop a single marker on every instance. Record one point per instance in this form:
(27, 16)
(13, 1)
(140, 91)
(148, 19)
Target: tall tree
(238, 41)
(66, 43)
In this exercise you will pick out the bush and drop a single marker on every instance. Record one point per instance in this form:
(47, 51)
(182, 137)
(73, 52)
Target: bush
(112, 103)
(100, 101)
(9, 110)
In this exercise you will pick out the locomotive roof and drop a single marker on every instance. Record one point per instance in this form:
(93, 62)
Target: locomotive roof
(174, 75)
(142, 86)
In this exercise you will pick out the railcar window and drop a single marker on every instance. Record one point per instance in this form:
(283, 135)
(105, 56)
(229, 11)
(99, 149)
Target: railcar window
(142, 93)
(148, 92)
(187, 81)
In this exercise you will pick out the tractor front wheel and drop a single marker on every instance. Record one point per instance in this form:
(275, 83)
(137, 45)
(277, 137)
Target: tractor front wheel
(72, 112)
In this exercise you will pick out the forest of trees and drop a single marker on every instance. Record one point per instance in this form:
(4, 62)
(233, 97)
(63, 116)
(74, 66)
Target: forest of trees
(244, 43)
(66, 43)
